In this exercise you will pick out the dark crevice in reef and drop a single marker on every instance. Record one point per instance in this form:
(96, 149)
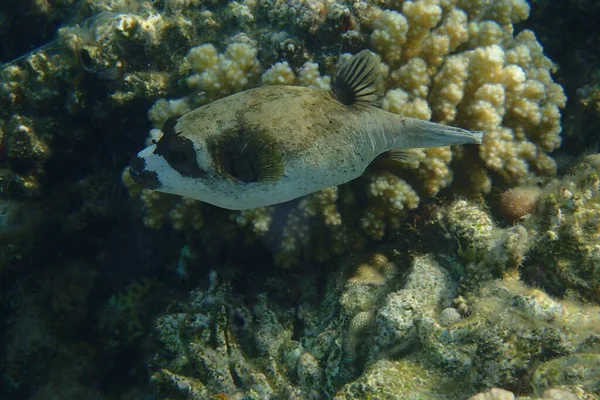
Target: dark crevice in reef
(22, 29)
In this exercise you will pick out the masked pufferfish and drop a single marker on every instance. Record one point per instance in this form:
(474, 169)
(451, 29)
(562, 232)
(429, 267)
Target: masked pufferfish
(272, 144)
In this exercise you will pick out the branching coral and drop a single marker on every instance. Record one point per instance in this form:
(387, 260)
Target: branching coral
(495, 83)
(222, 74)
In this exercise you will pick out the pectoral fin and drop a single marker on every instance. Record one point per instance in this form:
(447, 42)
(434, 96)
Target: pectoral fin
(397, 159)
(402, 156)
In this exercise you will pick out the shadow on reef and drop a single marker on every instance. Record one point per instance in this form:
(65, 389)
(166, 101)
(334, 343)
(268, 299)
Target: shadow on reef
(18, 35)
(27, 25)
(68, 283)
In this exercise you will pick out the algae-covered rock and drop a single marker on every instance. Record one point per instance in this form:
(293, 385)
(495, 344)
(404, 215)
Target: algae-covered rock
(404, 379)
(581, 371)
(550, 394)
(565, 233)
(481, 251)
(166, 382)
(427, 290)
(390, 344)
(242, 349)
(494, 394)
(510, 329)
(249, 344)
(555, 246)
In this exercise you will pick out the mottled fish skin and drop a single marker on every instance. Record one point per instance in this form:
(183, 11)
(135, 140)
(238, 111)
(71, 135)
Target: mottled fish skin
(273, 144)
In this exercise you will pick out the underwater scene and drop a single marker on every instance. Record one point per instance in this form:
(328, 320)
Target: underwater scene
(299, 199)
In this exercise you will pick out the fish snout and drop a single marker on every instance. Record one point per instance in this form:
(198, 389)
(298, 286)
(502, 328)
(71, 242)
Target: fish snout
(141, 176)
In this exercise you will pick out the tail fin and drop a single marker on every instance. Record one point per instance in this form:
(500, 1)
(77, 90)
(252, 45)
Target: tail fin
(431, 134)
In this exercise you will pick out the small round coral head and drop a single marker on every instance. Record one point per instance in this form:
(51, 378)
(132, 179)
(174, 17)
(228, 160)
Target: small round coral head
(517, 202)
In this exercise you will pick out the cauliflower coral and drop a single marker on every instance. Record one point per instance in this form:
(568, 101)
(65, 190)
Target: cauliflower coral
(457, 62)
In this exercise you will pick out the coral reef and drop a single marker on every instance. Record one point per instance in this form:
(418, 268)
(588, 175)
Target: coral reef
(34, 336)
(576, 51)
(453, 304)
(550, 394)
(24, 140)
(554, 246)
(17, 220)
(589, 99)
(451, 62)
(219, 75)
(123, 314)
(252, 350)
(399, 379)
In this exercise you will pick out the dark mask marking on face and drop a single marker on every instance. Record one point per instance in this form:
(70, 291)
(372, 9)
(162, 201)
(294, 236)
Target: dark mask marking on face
(178, 151)
(247, 155)
(146, 179)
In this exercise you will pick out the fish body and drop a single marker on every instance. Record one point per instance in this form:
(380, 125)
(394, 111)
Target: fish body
(276, 143)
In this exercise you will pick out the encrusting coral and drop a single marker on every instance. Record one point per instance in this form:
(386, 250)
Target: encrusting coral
(433, 326)
(553, 246)
(376, 330)
(482, 250)
(565, 233)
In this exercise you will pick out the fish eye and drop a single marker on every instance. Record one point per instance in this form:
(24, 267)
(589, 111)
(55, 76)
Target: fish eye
(177, 157)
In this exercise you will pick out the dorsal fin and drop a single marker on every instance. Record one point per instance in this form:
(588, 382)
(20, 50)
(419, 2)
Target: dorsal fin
(357, 80)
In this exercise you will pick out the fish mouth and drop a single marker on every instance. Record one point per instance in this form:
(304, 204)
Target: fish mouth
(141, 176)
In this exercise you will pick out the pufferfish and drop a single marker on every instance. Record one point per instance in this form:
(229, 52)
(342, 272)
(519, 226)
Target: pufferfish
(273, 144)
